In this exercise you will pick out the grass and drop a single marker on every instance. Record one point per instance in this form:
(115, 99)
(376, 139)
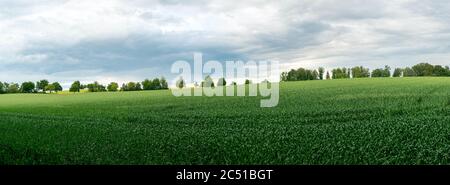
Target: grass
(357, 121)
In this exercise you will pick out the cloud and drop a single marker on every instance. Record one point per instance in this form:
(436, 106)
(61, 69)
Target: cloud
(116, 39)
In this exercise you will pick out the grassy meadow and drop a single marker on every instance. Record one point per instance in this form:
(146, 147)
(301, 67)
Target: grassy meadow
(353, 121)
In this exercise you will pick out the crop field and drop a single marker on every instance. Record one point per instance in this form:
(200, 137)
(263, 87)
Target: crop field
(354, 121)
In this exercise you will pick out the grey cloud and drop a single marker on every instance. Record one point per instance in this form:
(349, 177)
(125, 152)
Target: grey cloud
(139, 39)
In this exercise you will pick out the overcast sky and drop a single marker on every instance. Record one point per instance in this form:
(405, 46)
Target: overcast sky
(129, 40)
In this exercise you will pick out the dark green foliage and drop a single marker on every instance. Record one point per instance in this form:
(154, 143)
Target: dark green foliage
(426, 69)
(96, 87)
(12, 88)
(164, 84)
(321, 72)
(423, 69)
(315, 75)
(438, 70)
(408, 72)
(360, 72)
(131, 86)
(154, 84)
(292, 75)
(50, 88)
(138, 86)
(340, 73)
(27, 87)
(147, 84)
(397, 72)
(2, 88)
(301, 74)
(40, 85)
(57, 86)
(112, 87)
(386, 72)
(75, 87)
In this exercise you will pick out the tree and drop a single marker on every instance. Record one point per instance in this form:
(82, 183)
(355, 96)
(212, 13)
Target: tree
(302, 74)
(386, 72)
(315, 75)
(284, 76)
(138, 87)
(124, 87)
(112, 87)
(75, 87)
(50, 88)
(360, 72)
(423, 69)
(292, 75)
(438, 70)
(328, 76)
(233, 83)
(180, 83)
(408, 72)
(221, 82)
(57, 86)
(101, 88)
(156, 84)
(340, 73)
(6, 87)
(40, 85)
(397, 72)
(345, 73)
(2, 88)
(147, 84)
(321, 72)
(164, 84)
(92, 87)
(131, 86)
(96, 87)
(27, 87)
(247, 81)
(13, 88)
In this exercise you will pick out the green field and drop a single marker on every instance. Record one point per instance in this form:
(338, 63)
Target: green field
(356, 121)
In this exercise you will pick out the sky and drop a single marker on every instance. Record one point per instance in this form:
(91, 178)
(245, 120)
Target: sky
(130, 40)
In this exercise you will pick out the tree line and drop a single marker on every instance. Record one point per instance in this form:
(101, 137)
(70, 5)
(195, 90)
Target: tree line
(209, 82)
(147, 84)
(30, 87)
(44, 86)
(421, 69)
